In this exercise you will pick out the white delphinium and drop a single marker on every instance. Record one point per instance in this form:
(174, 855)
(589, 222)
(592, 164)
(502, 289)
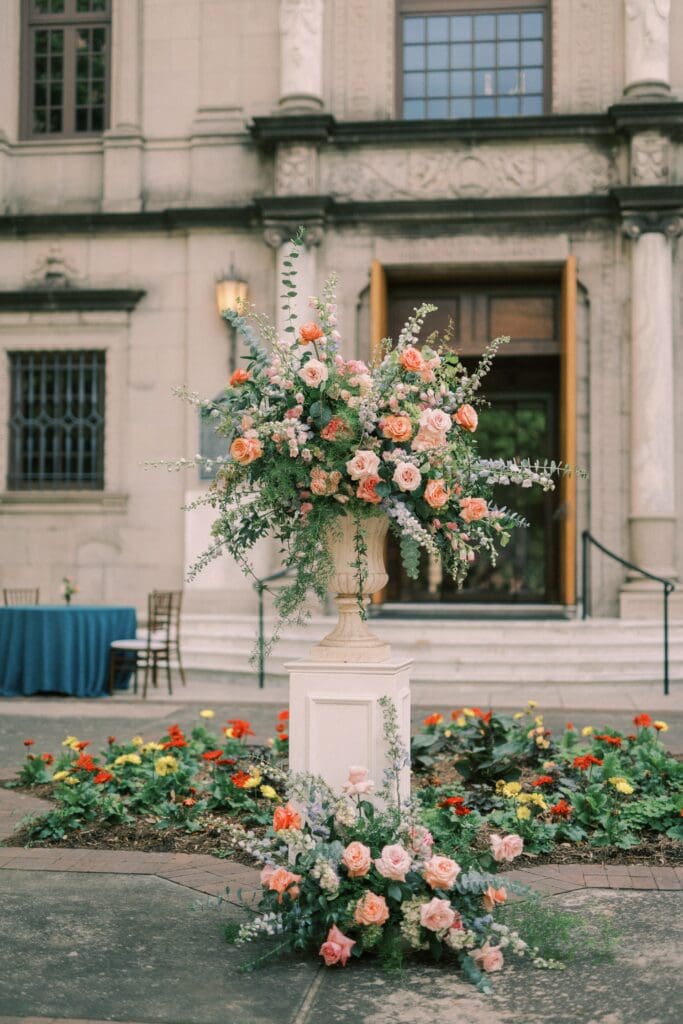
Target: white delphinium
(410, 524)
(328, 879)
(264, 924)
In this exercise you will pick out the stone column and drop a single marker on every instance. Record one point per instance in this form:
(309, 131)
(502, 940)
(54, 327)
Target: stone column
(279, 238)
(647, 49)
(301, 56)
(123, 142)
(10, 34)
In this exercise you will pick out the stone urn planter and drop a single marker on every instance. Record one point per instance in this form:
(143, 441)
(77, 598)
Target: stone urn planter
(351, 640)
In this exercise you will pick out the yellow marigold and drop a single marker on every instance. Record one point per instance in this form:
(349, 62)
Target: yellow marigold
(661, 726)
(523, 813)
(448, 733)
(532, 703)
(461, 721)
(468, 712)
(72, 781)
(518, 714)
(253, 781)
(511, 789)
(137, 741)
(229, 732)
(128, 759)
(587, 730)
(538, 719)
(500, 785)
(268, 792)
(70, 741)
(58, 776)
(542, 743)
(165, 765)
(151, 748)
(621, 785)
(207, 713)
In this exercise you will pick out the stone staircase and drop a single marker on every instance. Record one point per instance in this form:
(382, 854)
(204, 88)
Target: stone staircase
(495, 653)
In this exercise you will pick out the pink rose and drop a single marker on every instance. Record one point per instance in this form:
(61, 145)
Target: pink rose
(357, 859)
(355, 366)
(426, 439)
(411, 360)
(364, 463)
(366, 490)
(489, 958)
(436, 420)
(337, 947)
(441, 872)
(371, 909)
(472, 509)
(437, 915)
(494, 897)
(506, 847)
(406, 476)
(313, 373)
(436, 494)
(420, 841)
(358, 783)
(394, 863)
(466, 418)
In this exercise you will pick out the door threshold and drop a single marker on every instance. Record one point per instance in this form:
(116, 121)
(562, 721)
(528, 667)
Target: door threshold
(439, 610)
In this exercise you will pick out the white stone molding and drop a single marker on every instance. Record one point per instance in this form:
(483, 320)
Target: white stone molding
(647, 48)
(123, 144)
(301, 55)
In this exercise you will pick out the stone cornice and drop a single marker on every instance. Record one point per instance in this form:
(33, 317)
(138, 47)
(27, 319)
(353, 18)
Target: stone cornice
(665, 116)
(63, 300)
(170, 219)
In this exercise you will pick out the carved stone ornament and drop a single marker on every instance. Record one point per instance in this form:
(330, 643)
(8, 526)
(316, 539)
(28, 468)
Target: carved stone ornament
(53, 271)
(301, 53)
(649, 159)
(277, 233)
(637, 224)
(647, 43)
(295, 171)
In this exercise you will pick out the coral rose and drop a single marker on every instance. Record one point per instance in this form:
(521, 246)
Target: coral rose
(239, 377)
(366, 490)
(323, 483)
(441, 872)
(472, 509)
(337, 947)
(436, 420)
(436, 495)
(286, 817)
(335, 427)
(266, 873)
(283, 881)
(394, 862)
(506, 847)
(426, 439)
(310, 332)
(397, 428)
(467, 418)
(494, 897)
(411, 360)
(406, 476)
(246, 449)
(313, 373)
(489, 958)
(437, 915)
(371, 909)
(357, 859)
(364, 463)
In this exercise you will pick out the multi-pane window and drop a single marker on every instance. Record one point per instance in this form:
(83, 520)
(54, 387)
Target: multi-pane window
(477, 62)
(66, 67)
(56, 427)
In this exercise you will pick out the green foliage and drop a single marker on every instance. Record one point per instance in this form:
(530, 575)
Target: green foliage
(570, 937)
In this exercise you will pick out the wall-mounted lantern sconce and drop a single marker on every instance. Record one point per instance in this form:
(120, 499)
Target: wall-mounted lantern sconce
(231, 292)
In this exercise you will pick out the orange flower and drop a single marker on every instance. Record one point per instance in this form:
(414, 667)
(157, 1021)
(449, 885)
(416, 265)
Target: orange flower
(436, 494)
(283, 881)
(366, 490)
(283, 716)
(613, 741)
(246, 449)
(569, 726)
(309, 332)
(494, 897)
(286, 817)
(212, 755)
(456, 714)
(582, 763)
(543, 780)
(111, 740)
(435, 719)
(239, 377)
(561, 809)
(335, 427)
(397, 428)
(466, 418)
(642, 721)
(472, 509)
(47, 758)
(189, 801)
(102, 777)
(240, 728)
(411, 360)
(82, 745)
(85, 763)
(239, 779)
(29, 743)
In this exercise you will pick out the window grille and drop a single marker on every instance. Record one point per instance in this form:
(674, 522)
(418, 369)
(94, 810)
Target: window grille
(66, 48)
(56, 428)
(473, 63)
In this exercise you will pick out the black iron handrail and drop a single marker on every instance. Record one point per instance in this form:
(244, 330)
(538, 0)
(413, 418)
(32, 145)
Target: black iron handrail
(260, 586)
(588, 538)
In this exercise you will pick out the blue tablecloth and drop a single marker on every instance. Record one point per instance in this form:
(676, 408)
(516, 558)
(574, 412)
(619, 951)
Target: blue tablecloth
(59, 648)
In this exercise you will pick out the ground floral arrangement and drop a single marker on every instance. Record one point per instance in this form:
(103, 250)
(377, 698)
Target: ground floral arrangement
(344, 878)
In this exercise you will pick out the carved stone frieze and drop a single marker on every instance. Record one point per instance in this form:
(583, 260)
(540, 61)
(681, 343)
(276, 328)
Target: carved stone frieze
(53, 270)
(295, 170)
(650, 154)
(476, 172)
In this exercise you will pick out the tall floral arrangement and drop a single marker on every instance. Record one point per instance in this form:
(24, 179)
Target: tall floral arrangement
(311, 436)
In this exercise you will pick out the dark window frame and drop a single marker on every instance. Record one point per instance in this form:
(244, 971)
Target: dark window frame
(43, 444)
(424, 8)
(69, 21)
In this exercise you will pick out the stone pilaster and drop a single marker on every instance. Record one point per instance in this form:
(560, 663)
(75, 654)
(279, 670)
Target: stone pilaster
(123, 142)
(10, 34)
(301, 56)
(647, 49)
(278, 236)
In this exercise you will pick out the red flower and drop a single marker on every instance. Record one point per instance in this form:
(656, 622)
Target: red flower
(335, 427)
(642, 721)
(451, 801)
(435, 719)
(283, 716)
(487, 717)
(239, 779)
(462, 811)
(632, 737)
(586, 761)
(456, 714)
(281, 727)
(223, 761)
(212, 755)
(569, 725)
(239, 377)
(189, 801)
(47, 758)
(102, 777)
(283, 736)
(614, 741)
(240, 728)
(29, 743)
(561, 809)
(85, 763)
(176, 740)
(111, 740)
(82, 745)
(543, 780)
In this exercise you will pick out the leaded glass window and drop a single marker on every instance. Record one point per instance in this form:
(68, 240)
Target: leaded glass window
(480, 62)
(66, 67)
(56, 427)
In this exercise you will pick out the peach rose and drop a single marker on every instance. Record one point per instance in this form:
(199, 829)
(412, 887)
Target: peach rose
(366, 490)
(489, 958)
(357, 859)
(436, 495)
(426, 439)
(436, 420)
(313, 373)
(394, 862)
(364, 463)
(494, 897)
(371, 909)
(286, 817)
(355, 366)
(411, 360)
(466, 418)
(406, 476)
(420, 840)
(397, 428)
(239, 377)
(309, 332)
(246, 449)
(336, 427)
(358, 782)
(506, 847)
(472, 509)
(266, 874)
(441, 872)
(280, 881)
(437, 915)
(323, 483)
(337, 947)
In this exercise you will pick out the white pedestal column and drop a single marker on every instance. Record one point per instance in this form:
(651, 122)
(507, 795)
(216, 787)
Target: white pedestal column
(123, 143)
(336, 719)
(301, 55)
(647, 49)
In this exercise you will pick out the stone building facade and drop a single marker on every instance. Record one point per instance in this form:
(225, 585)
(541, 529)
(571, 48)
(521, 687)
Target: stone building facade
(197, 135)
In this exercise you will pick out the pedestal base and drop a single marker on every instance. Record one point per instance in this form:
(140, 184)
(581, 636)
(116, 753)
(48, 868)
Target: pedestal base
(644, 599)
(336, 720)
